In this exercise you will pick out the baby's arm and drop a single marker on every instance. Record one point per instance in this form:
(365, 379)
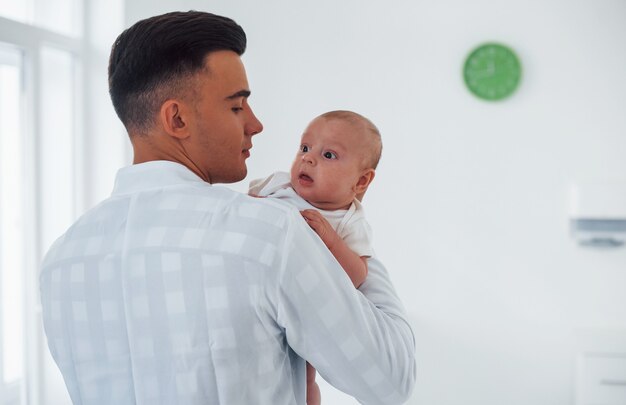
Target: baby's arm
(354, 265)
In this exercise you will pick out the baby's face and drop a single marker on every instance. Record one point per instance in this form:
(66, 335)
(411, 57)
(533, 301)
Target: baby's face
(328, 165)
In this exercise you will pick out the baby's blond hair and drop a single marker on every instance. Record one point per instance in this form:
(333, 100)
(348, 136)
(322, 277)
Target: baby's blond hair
(374, 140)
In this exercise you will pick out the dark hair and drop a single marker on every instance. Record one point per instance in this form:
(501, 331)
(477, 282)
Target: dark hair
(154, 59)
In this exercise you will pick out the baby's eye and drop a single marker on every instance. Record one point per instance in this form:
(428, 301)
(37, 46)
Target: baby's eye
(304, 148)
(330, 155)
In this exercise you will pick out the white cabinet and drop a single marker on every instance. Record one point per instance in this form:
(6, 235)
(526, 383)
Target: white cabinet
(601, 379)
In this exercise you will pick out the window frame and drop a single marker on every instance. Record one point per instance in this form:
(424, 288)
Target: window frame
(30, 40)
(9, 393)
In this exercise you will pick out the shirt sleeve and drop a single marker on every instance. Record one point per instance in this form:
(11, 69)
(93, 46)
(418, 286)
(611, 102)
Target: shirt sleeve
(359, 238)
(358, 340)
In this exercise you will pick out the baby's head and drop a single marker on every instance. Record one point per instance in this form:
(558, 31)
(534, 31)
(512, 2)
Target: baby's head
(338, 155)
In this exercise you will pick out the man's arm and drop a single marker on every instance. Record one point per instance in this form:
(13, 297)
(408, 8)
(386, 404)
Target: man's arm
(353, 264)
(358, 340)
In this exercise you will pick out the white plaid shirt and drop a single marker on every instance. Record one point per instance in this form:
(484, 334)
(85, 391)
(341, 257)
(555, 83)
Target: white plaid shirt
(174, 291)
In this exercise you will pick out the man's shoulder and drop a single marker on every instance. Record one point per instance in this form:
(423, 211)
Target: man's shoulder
(272, 211)
(267, 186)
(219, 203)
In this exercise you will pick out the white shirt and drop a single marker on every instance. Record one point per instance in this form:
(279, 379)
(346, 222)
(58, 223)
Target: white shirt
(173, 291)
(350, 224)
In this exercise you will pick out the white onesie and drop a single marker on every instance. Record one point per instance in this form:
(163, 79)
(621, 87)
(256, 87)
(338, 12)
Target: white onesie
(349, 224)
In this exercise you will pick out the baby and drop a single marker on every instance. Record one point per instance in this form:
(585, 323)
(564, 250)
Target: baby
(336, 163)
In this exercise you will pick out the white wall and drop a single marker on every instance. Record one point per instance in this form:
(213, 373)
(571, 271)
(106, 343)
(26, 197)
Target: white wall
(106, 145)
(496, 289)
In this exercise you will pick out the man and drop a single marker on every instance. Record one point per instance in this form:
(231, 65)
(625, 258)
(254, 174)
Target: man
(175, 291)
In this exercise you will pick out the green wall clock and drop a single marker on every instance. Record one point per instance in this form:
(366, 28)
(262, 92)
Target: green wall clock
(492, 71)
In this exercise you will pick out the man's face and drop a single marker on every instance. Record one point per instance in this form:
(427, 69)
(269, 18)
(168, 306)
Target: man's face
(223, 122)
(328, 165)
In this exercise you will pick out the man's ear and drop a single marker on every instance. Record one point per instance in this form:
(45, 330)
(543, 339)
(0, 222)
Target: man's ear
(363, 183)
(174, 118)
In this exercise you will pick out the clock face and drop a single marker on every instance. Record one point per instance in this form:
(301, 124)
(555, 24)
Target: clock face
(492, 72)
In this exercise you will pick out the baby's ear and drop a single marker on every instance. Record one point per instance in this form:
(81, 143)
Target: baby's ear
(363, 183)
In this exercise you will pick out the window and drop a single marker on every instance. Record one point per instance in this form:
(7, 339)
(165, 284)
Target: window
(57, 142)
(53, 163)
(41, 59)
(62, 16)
(11, 226)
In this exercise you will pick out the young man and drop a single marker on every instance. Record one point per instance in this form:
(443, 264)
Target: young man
(176, 291)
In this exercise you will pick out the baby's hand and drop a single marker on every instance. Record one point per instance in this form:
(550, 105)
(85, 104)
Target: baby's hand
(322, 227)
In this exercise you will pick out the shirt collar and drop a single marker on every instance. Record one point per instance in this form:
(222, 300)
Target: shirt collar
(150, 175)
